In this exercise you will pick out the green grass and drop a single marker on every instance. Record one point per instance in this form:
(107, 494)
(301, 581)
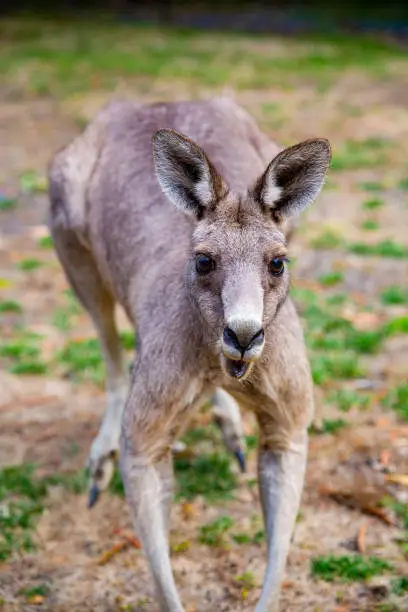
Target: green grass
(23, 499)
(63, 57)
(334, 343)
(42, 590)
(246, 538)
(46, 242)
(74, 482)
(327, 240)
(10, 306)
(241, 538)
(342, 343)
(373, 204)
(370, 225)
(397, 399)
(31, 182)
(354, 568)
(83, 360)
(213, 534)
(63, 316)
(398, 325)
(399, 586)
(23, 354)
(7, 203)
(337, 299)
(353, 154)
(116, 484)
(128, 340)
(273, 115)
(248, 580)
(33, 368)
(331, 332)
(394, 294)
(329, 426)
(403, 184)
(30, 264)
(387, 607)
(209, 475)
(259, 537)
(385, 248)
(366, 342)
(251, 442)
(209, 434)
(306, 298)
(345, 399)
(20, 348)
(331, 278)
(371, 186)
(336, 366)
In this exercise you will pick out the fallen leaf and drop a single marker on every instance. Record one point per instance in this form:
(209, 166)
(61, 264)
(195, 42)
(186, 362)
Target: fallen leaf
(385, 457)
(133, 541)
(107, 556)
(361, 547)
(125, 543)
(383, 422)
(36, 600)
(244, 593)
(363, 503)
(188, 510)
(379, 513)
(401, 479)
(180, 547)
(288, 584)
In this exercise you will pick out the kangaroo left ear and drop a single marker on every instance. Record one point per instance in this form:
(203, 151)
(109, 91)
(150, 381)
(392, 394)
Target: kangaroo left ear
(294, 178)
(185, 174)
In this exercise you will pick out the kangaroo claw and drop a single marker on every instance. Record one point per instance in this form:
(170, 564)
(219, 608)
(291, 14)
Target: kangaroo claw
(239, 454)
(94, 493)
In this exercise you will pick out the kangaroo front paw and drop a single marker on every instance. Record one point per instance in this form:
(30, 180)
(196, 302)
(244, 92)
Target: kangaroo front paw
(101, 466)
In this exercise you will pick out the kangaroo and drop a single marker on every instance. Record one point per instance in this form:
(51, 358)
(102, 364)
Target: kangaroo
(178, 212)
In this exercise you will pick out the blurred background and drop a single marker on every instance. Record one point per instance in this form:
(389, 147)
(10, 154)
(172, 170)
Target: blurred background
(302, 70)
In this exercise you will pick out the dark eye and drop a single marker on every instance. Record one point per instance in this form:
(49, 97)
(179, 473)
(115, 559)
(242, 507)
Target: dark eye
(276, 266)
(204, 264)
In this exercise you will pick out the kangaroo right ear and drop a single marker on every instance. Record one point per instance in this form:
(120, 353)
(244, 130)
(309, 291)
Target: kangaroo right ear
(294, 178)
(185, 174)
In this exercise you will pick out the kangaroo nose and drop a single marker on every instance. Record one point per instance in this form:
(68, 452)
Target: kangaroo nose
(243, 336)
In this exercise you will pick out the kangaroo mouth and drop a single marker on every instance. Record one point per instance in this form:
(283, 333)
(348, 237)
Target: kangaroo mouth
(236, 369)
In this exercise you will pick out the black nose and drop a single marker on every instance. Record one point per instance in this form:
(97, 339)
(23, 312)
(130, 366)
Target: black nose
(242, 341)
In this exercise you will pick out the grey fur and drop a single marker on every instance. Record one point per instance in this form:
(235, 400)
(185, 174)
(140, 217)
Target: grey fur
(119, 240)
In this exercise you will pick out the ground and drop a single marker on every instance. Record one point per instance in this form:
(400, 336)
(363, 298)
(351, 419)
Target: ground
(350, 283)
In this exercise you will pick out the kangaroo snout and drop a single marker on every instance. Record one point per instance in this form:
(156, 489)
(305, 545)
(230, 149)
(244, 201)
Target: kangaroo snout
(243, 340)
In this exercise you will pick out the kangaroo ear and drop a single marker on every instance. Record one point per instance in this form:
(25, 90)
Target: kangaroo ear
(294, 178)
(185, 174)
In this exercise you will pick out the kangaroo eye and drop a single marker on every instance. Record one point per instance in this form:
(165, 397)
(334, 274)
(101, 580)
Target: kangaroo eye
(204, 264)
(276, 266)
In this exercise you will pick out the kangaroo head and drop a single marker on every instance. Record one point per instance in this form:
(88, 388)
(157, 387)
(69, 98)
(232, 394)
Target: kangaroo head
(237, 271)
